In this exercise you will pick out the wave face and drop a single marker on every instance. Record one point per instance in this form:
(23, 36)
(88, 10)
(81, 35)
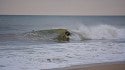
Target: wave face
(97, 32)
(39, 35)
(50, 34)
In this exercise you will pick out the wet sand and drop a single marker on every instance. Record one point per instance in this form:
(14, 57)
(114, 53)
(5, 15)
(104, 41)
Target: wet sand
(97, 66)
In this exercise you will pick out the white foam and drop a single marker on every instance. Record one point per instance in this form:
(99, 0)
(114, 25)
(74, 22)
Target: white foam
(98, 32)
(47, 56)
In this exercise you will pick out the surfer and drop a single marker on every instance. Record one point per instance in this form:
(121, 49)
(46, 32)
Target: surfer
(67, 33)
(64, 36)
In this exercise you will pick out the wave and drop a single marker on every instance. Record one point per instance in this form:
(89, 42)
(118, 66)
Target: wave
(82, 32)
(79, 33)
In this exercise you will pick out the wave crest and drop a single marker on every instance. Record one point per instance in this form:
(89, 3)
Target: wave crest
(97, 32)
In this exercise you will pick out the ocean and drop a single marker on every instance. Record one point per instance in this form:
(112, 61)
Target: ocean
(94, 39)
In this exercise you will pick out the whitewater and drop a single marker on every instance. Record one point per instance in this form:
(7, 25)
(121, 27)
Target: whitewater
(92, 43)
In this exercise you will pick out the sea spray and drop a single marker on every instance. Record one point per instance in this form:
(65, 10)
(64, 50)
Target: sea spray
(101, 31)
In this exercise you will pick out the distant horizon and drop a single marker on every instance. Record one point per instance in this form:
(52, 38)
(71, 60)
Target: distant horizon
(62, 15)
(66, 14)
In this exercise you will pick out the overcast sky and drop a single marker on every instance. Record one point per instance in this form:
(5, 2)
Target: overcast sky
(62, 7)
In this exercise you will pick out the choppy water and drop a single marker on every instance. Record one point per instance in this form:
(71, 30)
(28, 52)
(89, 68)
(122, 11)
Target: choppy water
(105, 41)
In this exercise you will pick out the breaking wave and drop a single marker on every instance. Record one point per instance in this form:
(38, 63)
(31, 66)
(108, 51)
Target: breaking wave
(80, 33)
(97, 32)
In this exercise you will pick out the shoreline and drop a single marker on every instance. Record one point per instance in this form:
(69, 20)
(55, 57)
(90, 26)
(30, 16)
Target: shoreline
(119, 65)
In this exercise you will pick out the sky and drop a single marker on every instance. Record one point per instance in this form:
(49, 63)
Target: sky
(62, 7)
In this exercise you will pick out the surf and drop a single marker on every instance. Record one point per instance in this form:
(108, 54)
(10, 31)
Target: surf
(77, 33)
(98, 32)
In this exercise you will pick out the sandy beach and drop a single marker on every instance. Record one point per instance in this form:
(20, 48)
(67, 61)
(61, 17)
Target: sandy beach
(97, 66)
